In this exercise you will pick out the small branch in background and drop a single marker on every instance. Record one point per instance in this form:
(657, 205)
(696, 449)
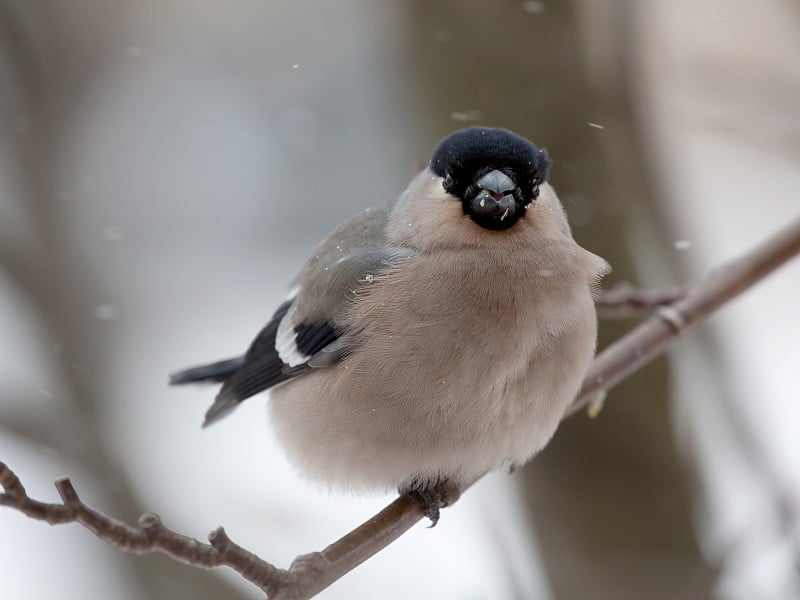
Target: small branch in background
(150, 536)
(312, 573)
(623, 301)
(651, 338)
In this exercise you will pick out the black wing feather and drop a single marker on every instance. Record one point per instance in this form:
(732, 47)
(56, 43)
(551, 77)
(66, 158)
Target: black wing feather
(261, 369)
(310, 338)
(355, 248)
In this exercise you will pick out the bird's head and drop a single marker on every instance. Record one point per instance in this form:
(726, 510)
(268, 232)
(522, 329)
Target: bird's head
(494, 173)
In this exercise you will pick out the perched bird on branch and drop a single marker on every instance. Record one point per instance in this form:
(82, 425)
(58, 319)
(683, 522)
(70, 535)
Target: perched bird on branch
(433, 339)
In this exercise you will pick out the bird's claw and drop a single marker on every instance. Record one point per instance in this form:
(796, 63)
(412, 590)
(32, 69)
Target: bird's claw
(435, 497)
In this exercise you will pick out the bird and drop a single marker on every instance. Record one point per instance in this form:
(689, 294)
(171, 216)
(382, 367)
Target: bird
(433, 339)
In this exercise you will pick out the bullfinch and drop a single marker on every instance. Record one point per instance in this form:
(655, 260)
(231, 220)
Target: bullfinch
(433, 339)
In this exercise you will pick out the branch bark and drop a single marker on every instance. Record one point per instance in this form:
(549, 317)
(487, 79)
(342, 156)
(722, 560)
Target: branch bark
(653, 336)
(623, 301)
(312, 573)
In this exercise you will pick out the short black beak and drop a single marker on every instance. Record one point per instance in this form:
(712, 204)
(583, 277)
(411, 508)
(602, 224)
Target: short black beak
(495, 200)
(488, 205)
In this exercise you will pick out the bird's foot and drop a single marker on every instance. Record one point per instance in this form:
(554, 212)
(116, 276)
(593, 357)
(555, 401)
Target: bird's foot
(434, 497)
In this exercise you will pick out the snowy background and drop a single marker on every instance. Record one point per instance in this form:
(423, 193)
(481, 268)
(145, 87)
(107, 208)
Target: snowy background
(166, 166)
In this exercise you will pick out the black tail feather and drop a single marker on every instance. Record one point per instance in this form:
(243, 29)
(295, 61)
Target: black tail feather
(244, 376)
(224, 403)
(217, 372)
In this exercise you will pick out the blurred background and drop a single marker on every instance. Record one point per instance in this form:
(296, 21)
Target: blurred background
(166, 166)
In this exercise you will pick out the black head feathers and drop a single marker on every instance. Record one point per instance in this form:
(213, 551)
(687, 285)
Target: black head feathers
(465, 155)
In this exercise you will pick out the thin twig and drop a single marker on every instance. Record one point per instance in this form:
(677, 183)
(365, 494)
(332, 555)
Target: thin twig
(149, 536)
(651, 338)
(623, 301)
(312, 573)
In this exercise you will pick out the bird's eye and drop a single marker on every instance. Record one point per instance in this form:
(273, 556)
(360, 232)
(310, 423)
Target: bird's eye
(448, 182)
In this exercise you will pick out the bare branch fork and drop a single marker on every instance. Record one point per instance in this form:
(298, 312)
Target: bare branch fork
(674, 311)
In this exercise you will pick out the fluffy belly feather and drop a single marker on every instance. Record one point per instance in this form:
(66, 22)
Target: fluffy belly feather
(462, 389)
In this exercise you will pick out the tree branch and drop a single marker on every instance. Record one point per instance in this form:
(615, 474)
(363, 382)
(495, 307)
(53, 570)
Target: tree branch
(651, 338)
(311, 573)
(149, 536)
(623, 301)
